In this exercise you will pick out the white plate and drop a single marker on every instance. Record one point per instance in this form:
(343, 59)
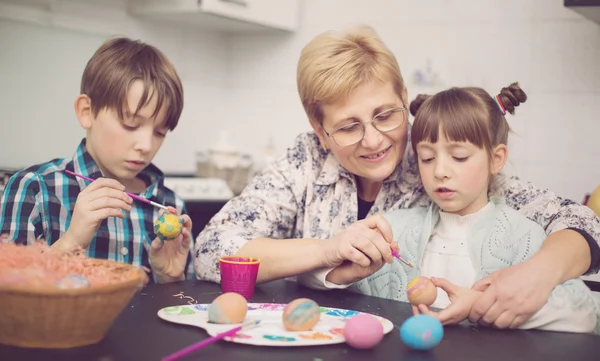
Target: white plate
(270, 331)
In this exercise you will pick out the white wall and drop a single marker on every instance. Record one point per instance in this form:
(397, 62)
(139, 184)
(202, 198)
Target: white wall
(553, 52)
(246, 83)
(40, 74)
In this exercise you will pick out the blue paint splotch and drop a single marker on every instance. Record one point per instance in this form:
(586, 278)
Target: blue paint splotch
(342, 313)
(279, 338)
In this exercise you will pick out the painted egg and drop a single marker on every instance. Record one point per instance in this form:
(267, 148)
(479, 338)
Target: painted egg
(167, 227)
(421, 332)
(421, 291)
(301, 315)
(228, 308)
(363, 331)
(72, 282)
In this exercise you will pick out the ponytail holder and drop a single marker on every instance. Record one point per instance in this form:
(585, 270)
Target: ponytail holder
(500, 105)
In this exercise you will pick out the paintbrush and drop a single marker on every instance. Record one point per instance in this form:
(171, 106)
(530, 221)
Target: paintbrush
(186, 351)
(129, 194)
(402, 259)
(396, 254)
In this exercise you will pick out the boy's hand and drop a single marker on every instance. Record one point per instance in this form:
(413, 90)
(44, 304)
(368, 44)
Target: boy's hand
(103, 198)
(461, 298)
(168, 258)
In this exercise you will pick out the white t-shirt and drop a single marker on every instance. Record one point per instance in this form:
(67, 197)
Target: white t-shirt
(447, 252)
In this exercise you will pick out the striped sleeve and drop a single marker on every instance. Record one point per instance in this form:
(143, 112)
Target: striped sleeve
(22, 208)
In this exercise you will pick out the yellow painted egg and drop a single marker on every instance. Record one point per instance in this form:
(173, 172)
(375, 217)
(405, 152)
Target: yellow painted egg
(167, 227)
(301, 315)
(421, 291)
(228, 308)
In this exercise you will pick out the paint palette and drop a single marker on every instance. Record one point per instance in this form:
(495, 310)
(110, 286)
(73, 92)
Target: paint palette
(270, 331)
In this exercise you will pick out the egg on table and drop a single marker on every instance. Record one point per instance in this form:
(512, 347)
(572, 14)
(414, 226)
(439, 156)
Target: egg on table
(363, 331)
(228, 308)
(421, 291)
(302, 314)
(167, 227)
(73, 281)
(421, 332)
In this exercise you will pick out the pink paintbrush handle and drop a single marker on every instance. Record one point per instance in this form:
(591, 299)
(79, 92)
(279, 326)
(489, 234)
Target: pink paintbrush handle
(208, 341)
(201, 344)
(402, 259)
(129, 194)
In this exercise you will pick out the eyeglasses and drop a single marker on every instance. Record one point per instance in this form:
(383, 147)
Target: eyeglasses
(353, 133)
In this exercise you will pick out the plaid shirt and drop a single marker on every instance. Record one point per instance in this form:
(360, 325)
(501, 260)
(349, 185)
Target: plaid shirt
(38, 203)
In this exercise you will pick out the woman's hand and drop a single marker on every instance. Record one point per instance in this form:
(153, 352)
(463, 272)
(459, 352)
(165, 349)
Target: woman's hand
(512, 295)
(360, 250)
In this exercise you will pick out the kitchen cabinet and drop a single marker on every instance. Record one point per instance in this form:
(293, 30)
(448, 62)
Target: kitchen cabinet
(223, 15)
(588, 8)
(125, 16)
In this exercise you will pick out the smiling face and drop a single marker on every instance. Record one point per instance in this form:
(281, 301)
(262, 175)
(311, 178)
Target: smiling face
(376, 156)
(124, 147)
(455, 175)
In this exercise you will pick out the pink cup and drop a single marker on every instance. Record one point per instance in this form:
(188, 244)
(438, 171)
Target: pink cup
(238, 274)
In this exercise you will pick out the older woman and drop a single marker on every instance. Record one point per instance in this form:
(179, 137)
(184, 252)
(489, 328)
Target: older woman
(316, 207)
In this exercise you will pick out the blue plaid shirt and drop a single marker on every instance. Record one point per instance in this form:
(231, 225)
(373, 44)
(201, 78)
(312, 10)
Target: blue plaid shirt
(38, 202)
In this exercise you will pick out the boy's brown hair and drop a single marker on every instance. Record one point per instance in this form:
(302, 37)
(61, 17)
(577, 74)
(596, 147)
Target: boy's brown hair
(121, 61)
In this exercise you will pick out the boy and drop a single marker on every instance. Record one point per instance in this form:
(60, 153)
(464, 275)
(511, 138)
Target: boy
(131, 96)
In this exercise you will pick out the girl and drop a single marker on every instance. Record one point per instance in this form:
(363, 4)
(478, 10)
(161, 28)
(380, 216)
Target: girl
(459, 137)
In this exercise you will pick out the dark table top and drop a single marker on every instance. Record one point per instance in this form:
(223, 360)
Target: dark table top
(138, 334)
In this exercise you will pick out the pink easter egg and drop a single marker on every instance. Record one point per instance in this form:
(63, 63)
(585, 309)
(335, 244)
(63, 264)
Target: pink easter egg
(363, 331)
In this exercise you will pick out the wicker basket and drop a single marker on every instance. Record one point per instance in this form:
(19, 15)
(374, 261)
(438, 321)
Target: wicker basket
(58, 318)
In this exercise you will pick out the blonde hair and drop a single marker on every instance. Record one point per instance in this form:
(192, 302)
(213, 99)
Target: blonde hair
(121, 61)
(333, 64)
(465, 114)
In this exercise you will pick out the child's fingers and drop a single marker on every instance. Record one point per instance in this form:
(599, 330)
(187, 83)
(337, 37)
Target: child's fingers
(172, 210)
(452, 314)
(449, 287)
(424, 309)
(104, 213)
(105, 192)
(156, 245)
(186, 221)
(186, 239)
(104, 203)
(415, 310)
(104, 183)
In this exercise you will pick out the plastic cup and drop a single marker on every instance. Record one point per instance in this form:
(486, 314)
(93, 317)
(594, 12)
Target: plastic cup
(238, 274)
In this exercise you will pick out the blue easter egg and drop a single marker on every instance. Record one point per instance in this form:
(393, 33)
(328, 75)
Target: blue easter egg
(73, 281)
(421, 332)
